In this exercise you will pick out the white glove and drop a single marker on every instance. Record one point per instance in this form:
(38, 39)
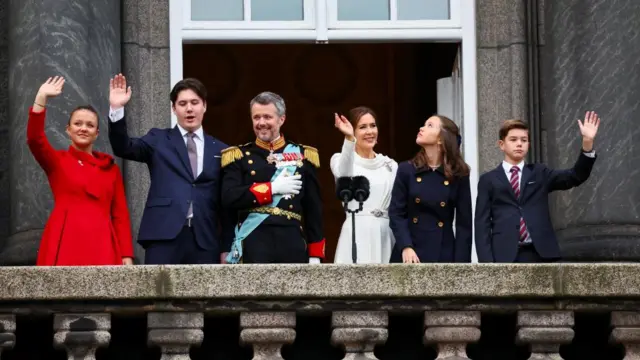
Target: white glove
(314, 260)
(285, 185)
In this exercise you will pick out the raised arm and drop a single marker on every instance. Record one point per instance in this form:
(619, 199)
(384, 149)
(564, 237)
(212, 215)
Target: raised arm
(37, 140)
(565, 179)
(342, 164)
(135, 149)
(121, 220)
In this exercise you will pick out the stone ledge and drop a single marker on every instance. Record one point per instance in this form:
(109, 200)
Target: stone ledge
(497, 281)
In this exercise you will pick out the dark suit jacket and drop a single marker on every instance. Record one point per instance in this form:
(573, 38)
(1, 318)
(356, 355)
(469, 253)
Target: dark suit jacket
(173, 186)
(498, 212)
(421, 214)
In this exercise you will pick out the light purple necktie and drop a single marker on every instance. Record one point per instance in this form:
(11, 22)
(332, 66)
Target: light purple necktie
(193, 159)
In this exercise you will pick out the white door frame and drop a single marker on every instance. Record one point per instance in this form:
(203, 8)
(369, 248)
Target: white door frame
(462, 28)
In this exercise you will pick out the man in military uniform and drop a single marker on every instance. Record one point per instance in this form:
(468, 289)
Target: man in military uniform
(272, 184)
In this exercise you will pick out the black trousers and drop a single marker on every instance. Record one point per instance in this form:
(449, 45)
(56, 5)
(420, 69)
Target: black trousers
(182, 250)
(269, 244)
(528, 254)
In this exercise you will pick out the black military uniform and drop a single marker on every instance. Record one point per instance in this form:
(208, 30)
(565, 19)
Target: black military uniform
(292, 232)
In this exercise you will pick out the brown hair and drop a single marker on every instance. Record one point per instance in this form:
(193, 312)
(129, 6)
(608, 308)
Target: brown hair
(188, 84)
(357, 113)
(87, 108)
(509, 125)
(454, 165)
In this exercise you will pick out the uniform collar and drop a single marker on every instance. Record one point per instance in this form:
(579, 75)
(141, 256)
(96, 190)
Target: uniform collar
(272, 146)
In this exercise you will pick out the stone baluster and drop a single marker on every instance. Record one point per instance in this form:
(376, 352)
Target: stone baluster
(545, 331)
(175, 333)
(7, 330)
(267, 332)
(359, 332)
(451, 331)
(626, 331)
(81, 334)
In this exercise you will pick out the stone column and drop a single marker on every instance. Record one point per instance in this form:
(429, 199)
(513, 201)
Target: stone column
(502, 72)
(545, 331)
(79, 40)
(626, 331)
(146, 65)
(359, 332)
(175, 333)
(4, 122)
(589, 67)
(267, 332)
(451, 331)
(7, 330)
(81, 334)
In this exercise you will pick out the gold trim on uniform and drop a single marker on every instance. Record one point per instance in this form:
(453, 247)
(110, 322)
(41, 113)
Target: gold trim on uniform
(262, 188)
(271, 146)
(230, 155)
(311, 155)
(277, 212)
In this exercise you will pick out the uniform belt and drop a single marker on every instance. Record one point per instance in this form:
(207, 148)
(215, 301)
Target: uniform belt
(276, 211)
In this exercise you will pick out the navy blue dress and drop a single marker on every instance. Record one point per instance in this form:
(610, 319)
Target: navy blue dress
(421, 215)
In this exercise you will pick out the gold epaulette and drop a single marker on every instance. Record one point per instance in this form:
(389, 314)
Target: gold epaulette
(230, 155)
(311, 155)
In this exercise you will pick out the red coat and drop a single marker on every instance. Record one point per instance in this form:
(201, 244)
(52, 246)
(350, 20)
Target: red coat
(89, 224)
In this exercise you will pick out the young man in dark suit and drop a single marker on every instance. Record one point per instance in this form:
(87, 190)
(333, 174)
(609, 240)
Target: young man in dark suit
(512, 220)
(183, 220)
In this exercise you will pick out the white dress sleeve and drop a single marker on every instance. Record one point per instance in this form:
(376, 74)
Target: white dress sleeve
(342, 163)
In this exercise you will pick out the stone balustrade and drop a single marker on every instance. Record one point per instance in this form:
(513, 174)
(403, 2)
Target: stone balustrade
(183, 306)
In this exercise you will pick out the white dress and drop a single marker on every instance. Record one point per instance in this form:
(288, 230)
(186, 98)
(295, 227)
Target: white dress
(374, 239)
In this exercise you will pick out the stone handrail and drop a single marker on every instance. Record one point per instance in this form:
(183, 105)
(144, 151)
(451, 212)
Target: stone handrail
(452, 298)
(564, 280)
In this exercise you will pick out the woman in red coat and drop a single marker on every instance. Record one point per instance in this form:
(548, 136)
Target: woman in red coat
(89, 224)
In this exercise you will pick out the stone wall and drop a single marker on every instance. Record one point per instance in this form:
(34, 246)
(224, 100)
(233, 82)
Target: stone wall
(4, 122)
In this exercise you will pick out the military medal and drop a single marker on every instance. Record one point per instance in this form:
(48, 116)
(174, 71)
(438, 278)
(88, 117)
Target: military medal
(271, 159)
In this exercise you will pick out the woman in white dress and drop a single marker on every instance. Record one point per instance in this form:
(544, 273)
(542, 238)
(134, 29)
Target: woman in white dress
(374, 239)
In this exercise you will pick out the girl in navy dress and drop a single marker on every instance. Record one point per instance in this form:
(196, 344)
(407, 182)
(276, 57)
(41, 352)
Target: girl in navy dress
(428, 192)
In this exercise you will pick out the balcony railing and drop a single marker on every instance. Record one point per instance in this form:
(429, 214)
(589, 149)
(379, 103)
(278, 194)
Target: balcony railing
(322, 311)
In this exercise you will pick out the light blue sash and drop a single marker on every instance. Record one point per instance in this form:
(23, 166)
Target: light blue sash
(254, 220)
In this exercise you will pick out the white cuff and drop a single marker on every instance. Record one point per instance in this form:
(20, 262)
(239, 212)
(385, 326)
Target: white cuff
(116, 114)
(591, 154)
(314, 260)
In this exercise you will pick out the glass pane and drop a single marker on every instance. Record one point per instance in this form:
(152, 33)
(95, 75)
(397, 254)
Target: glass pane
(363, 10)
(217, 10)
(277, 10)
(423, 9)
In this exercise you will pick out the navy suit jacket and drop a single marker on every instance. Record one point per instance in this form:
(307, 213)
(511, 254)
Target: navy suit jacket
(498, 212)
(173, 187)
(421, 214)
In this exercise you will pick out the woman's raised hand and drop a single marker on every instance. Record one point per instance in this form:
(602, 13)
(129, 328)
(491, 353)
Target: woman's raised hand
(342, 124)
(52, 87)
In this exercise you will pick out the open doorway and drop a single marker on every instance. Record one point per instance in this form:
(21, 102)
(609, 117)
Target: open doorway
(397, 80)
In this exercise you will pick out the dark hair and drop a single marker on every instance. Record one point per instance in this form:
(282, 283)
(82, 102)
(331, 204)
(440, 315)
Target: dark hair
(357, 113)
(188, 84)
(509, 125)
(454, 165)
(88, 108)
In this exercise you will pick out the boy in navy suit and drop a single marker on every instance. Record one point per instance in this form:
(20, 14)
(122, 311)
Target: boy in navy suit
(512, 220)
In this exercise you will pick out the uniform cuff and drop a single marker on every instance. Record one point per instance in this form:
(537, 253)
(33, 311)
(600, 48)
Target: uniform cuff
(316, 249)
(262, 192)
